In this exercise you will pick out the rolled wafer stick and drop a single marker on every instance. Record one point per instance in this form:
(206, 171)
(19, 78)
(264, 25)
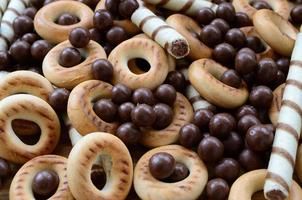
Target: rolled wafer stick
(283, 156)
(190, 7)
(161, 32)
(14, 9)
(3, 6)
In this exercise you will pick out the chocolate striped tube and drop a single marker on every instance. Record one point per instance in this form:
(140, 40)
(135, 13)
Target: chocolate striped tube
(14, 9)
(161, 32)
(283, 156)
(190, 7)
(3, 5)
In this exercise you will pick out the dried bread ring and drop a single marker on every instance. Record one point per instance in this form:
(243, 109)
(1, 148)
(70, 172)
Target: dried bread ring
(281, 7)
(21, 185)
(113, 156)
(28, 107)
(204, 75)
(187, 27)
(276, 104)
(70, 77)
(183, 114)
(276, 31)
(251, 182)
(80, 107)
(139, 48)
(147, 187)
(45, 18)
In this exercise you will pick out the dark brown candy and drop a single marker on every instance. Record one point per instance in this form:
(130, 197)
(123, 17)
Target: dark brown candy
(189, 135)
(37, 3)
(164, 116)
(5, 169)
(128, 133)
(210, 149)
(79, 37)
(45, 182)
(143, 95)
(261, 97)
(165, 93)
(296, 14)
(127, 7)
(250, 160)
(112, 6)
(124, 111)
(106, 110)
(231, 78)
(227, 169)
(221, 125)
(20, 51)
(226, 11)
(202, 118)
(235, 37)
(254, 43)
(102, 20)
(259, 138)
(267, 71)
(246, 110)
(283, 64)
(245, 63)
(143, 115)
(279, 79)
(224, 53)
(177, 80)
(30, 38)
(120, 93)
(217, 189)
(39, 49)
(30, 12)
(59, 99)
(161, 165)
(23, 24)
(70, 57)
(242, 20)
(5, 59)
(246, 122)
(102, 70)
(261, 5)
(96, 35)
(211, 35)
(204, 16)
(233, 144)
(180, 172)
(116, 35)
(67, 19)
(221, 24)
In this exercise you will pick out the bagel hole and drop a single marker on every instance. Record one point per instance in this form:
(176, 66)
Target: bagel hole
(98, 176)
(258, 196)
(27, 131)
(138, 65)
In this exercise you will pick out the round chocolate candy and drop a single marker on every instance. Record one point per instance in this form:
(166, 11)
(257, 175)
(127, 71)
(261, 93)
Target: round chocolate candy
(221, 24)
(204, 16)
(246, 62)
(143, 115)
(79, 37)
(165, 93)
(39, 49)
(116, 35)
(189, 135)
(261, 5)
(124, 111)
(45, 182)
(246, 110)
(177, 80)
(106, 110)
(259, 138)
(37, 3)
(20, 51)
(296, 14)
(235, 37)
(242, 20)
(255, 44)
(23, 24)
(143, 95)
(267, 71)
(164, 116)
(30, 38)
(5, 59)
(231, 78)
(127, 7)
(210, 149)
(250, 160)
(70, 57)
(180, 172)
(5, 169)
(226, 11)
(217, 189)
(233, 144)
(112, 5)
(227, 169)
(102, 70)
(102, 20)
(59, 99)
(202, 118)
(224, 53)
(120, 93)
(128, 133)
(283, 64)
(30, 12)
(246, 122)
(162, 165)
(67, 19)
(211, 35)
(261, 97)
(221, 125)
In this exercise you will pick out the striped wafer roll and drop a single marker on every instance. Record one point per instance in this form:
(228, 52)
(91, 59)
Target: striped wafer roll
(283, 156)
(194, 97)
(3, 5)
(161, 32)
(14, 9)
(189, 7)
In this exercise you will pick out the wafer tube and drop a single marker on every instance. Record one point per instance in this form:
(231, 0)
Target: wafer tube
(283, 156)
(161, 32)
(190, 7)
(14, 9)
(3, 6)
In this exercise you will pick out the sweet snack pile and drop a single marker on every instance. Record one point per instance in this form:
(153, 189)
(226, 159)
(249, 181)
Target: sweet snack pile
(150, 99)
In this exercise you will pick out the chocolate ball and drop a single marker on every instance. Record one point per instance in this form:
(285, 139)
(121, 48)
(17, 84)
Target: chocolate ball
(37, 3)
(70, 57)
(246, 122)
(116, 35)
(59, 99)
(143, 115)
(20, 51)
(204, 16)
(261, 5)
(30, 12)
(166, 94)
(46, 2)
(106, 110)
(127, 7)
(5, 59)
(250, 160)
(224, 53)
(210, 149)
(23, 24)
(128, 133)
(79, 37)
(164, 116)
(45, 182)
(245, 63)
(235, 37)
(296, 14)
(30, 38)
(143, 95)
(102, 20)
(221, 24)
(189, 135)
(96, 35)
(120, 93)
(227, 169)
(124, 111)
(283, 64)
(217, 189)
(202, 118)
(221, 125)
(226, 11)
(246, 110)
(102, 70)
(242, 20)
(267, 71)
(233, 144)
(261, 97)
(5, 169)
(177, 80)
(161, 165)
(180, 172)
(254, 43)
(211, 35)
(279, 79)
(39, 49)
(112, 6)
(231, 78)
(259, 138)
(67, 19)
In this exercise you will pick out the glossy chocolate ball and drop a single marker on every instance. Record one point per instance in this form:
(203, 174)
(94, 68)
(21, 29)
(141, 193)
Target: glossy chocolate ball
(259, 138)
(233, 144)
(96, 35)
(116, 35)
(120, 93)
(261, 5)
(217, 189)
(143, 115)
(180, 172)
(30, 12)
(222, 25)
(79, 37)
(37, 3)
(189, 135)
(177, 80)
(45, 182)
(261, 97)
(224, 53)
(39, 49)
(102, 70)
(20, 51)
(67, 19)
(242, 20)
(235, 37)
(211, 35)
(30, 38)
(210, 149)
(59, 99)
(70, 57)
(267, 71)
(164, 116)
(250, 160)
(112, 5)
(283, 64)
(227, 169)
(296, 14)
(165, 93)
(245, 63)
(246, 110)
(221, 125)
(5, 59)
(226, 11)
(5, 169)
(246, 122)
(127, 7)
(102, 20)
(23, 24)
(106, 110)
(202, 118)
(204, 16)
(161, 165)
(255, 44)
(143, 95)
(231, 78)
(124, 111)
(128, 133)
